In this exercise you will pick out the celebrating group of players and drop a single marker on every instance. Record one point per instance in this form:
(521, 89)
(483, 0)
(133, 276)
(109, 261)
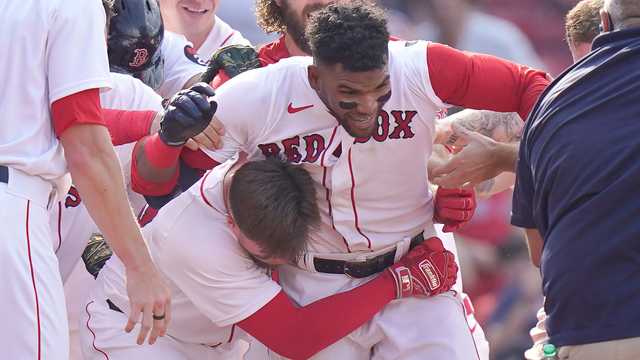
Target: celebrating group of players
(287, 214)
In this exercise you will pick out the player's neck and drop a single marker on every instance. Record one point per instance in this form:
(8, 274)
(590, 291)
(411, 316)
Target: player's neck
(293, 49)
(198, 36)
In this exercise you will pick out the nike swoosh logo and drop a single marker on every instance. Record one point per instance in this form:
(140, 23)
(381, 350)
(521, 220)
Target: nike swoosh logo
(293, 110)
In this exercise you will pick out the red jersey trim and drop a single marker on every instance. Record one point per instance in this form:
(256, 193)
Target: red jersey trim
(33, 281)
(353, 202)
(93, 342)
(204, 198)
(227, 39)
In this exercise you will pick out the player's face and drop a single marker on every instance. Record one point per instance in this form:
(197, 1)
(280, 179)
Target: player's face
(295, 14)
(256, 253)
(197, 14)
(354, 98)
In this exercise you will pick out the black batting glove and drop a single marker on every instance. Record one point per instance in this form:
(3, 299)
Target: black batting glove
(187, 114)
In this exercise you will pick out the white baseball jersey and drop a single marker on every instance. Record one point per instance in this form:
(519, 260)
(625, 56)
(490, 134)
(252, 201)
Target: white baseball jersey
(214, 283)
(182, 61)
(52, 56)
(377, 193)
(50, 49)
(220, 35)
(71, 223)
(373, 193)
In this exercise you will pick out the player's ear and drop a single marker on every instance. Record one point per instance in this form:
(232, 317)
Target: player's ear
(312, 70)
(605, 21)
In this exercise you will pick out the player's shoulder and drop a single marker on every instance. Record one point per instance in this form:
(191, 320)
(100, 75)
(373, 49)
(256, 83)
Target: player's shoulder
(229, 35)
(399, 49)
(278, 79)
(129, 93)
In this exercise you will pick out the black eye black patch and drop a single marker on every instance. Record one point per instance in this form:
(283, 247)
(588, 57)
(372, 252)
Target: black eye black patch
(384, 98)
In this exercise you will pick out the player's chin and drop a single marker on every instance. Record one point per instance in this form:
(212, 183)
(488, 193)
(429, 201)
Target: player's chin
(361, 129)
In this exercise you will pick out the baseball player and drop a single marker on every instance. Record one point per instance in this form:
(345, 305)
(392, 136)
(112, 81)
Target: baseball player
(70, 222)
(198, 22)
(51, 102)
(249, 216)
(375, 197)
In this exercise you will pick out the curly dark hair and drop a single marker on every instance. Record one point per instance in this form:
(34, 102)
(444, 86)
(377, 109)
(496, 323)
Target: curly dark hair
(270, 16)
(352, 33)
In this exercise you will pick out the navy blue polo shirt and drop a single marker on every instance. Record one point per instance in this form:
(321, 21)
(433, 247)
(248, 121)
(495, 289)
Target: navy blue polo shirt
(578, 183)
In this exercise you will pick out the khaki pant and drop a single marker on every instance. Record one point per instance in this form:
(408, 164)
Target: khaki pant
(625, 349)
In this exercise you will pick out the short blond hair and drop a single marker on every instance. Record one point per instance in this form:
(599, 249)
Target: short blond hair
(583, 21)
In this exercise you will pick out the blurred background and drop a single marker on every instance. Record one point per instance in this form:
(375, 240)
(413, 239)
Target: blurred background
(497, 274)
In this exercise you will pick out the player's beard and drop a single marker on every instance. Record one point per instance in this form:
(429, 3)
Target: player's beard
(296, 24)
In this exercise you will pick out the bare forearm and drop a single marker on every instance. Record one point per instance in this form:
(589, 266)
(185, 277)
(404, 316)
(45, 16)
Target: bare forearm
(501, 127)
(97, 174)
(494, 186)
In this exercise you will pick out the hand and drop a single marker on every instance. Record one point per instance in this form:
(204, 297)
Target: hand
(481, 159)
(210, 137)
(454, 207)
(187, 114)
(427, 270)
(149, 295)
(233, 60)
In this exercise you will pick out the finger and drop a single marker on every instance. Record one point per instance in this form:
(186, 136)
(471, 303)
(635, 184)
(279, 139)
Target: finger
(192, 145)
(462, 132)
(444, 192)
(213, 107)
(203, 88)
(159, 328)
(456, 203)
(454, 179)
(187, 106)
(443, 169)
(147, 320)
(203, 141)
(134, 316)
(433, 244)
(167, 315)
(217, 126)
(213, 137)
(454, 215)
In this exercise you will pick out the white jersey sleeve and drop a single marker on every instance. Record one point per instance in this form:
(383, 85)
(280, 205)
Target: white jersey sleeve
(209, 266)
(243, 124)
(76, 49)
(181, 63)
(221, 35)
(411, 59)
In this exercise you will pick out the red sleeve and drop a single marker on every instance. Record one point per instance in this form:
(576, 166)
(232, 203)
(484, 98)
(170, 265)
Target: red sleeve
(299, 332)
(158, 155)
(198, 159)
(483, 82)
(127, 126)
(80, 108)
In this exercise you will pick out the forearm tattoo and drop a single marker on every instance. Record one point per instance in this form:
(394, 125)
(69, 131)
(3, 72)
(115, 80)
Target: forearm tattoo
(503, 127)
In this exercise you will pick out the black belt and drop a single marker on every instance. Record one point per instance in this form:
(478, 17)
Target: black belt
(4, 174)
(362, 269)
(113, 306)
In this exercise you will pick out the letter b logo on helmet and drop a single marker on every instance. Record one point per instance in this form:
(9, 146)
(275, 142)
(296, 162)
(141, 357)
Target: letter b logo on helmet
(134, 39)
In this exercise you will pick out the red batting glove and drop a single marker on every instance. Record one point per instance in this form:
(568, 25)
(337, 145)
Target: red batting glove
(427, 270)
(454, 207)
